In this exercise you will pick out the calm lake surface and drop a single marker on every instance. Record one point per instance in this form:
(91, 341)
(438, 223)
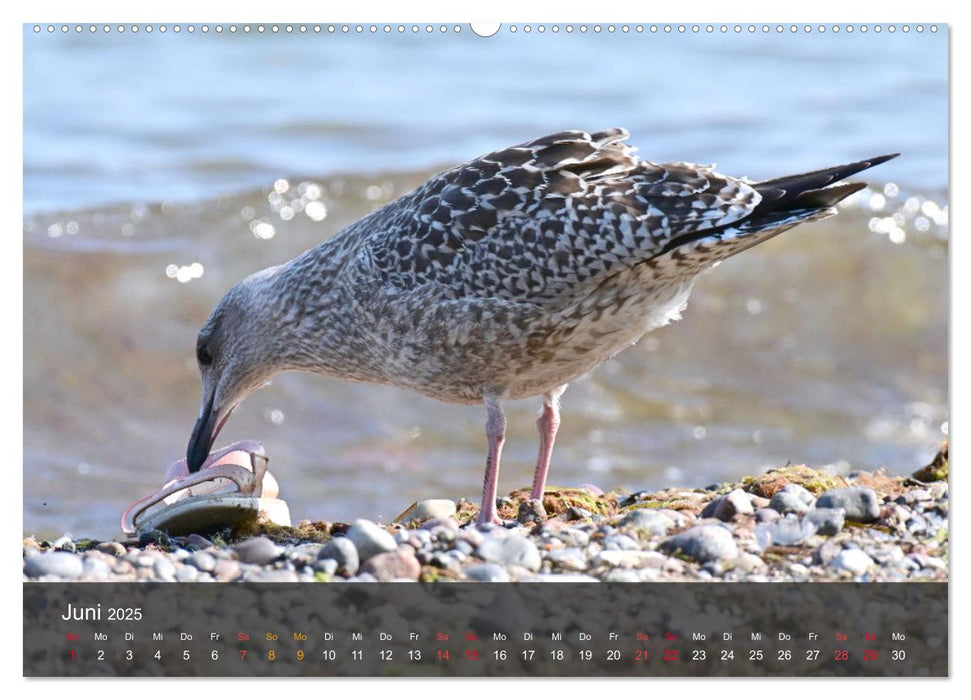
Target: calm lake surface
(161, 169)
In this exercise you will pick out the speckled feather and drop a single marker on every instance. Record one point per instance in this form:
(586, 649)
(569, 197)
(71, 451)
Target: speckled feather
(517, 272)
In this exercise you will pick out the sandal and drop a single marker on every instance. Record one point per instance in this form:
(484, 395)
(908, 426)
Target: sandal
(231, 486)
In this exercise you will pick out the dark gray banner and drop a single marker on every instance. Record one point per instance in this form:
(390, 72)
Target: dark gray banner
(91, 629)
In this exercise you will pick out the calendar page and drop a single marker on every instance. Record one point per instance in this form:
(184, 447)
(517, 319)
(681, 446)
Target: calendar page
(515, 349)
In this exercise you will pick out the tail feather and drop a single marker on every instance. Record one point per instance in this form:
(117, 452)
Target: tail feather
(805, 189)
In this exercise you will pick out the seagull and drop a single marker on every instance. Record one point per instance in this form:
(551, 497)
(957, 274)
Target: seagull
(503, 278)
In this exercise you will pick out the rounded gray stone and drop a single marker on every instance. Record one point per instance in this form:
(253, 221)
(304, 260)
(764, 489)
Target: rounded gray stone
(434, 508)
(164, 569)
(513, 549)
(370, 539)
(396, 565)
(203, 561)
(326, 566)
(647, 520)
(856, 561)
(791, 498)
(258, 550)
(342, 551)
(827, 521)
(488, 573)
(116, 549)
(703, 543)
(65, 565)
(860, 503)
(186, 573)
(96, 568)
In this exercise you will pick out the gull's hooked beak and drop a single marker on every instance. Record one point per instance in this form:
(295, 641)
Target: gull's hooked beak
(203, 435)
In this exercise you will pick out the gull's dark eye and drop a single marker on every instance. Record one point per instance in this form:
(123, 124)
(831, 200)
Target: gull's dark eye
(204, 356)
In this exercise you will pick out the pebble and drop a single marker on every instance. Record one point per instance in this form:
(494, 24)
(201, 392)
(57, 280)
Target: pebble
(163, 569)
(271, 576)
(389, 566)
(571, 558)
(258, 550)
(116, 549)
(703, 543)
(226, 570)
(784, 532)
(344, 553)
(647, 520)
(629, 559)
(202, 561)
(186, 574)
(766, 515)
(434, 508)
(513, 549)
(65, 565)
(827, 521)
(488, 573)
(855, 561)
(95, 569)
(370, 539)
(791, 498)
(326, 566)
(726, 507)
(860, 503)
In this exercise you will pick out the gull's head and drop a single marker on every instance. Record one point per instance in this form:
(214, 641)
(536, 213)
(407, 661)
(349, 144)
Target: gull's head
(238, 350)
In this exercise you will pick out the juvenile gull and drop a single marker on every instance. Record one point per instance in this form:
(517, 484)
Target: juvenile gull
(506, 277)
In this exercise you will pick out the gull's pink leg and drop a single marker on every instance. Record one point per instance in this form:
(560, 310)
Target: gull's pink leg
(548, 423)
(496, 432)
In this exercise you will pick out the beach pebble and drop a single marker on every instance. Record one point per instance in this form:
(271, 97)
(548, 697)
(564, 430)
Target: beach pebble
(856, 561)
(197, 541)
(860, 503)
(257, 550)
(115, 549)
(571, 558)
(749, 563)
(726, 507)
(203, 561)
(388, 566)
(370, 539)
(488, 573)
(186, 573)
(342, 551)
(65, 565)
(95, 568)
(226, 570)
(326, 566)
(64, 543)
(617, 541)
(766, 515)
(629, 559)
(258, 575)
(649, 521)
(433, 523)
(163, 569)
(703, 543)
(513, 550)
(784, 532)
(827, 521)
(434, 508)
(791, 498)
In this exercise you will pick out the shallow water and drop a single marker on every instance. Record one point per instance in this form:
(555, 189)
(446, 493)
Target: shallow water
(147, 197)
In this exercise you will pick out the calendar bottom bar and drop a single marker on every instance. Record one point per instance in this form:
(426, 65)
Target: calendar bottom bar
(480, 629)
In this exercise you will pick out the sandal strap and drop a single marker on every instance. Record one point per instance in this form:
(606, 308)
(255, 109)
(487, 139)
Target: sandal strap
(249, 483)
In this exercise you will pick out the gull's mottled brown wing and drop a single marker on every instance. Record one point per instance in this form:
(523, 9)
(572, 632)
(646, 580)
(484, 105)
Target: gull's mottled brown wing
(545, 221)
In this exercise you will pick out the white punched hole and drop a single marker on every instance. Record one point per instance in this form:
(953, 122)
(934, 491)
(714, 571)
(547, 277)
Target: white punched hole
(485, 29)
